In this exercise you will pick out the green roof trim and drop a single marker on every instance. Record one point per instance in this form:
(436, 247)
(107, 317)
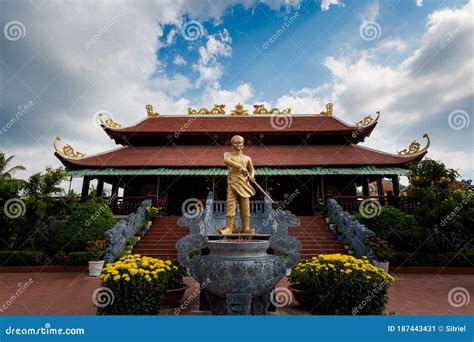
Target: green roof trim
(264, 171)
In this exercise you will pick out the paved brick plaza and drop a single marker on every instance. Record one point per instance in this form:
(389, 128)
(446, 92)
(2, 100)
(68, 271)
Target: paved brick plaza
(71, 294)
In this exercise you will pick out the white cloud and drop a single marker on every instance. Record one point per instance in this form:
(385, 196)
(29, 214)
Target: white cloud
(419, 3)
(244, 94)
(392, 45)
(326, 4)
(414, 97)
(179, 60)
(209, 68)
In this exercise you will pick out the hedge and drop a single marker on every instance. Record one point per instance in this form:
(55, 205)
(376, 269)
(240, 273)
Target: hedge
(21, 258)
(433, 259)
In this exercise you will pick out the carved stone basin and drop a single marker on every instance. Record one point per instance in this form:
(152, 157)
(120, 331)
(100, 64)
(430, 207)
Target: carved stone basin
(239, 275)
(236, 273)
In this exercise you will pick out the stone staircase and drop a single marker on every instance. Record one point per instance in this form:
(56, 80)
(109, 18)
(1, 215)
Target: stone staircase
(160, 240)
(315, 237)
(314, 234)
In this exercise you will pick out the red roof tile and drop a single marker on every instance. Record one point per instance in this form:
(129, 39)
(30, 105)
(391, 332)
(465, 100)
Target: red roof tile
(252, 123)
(212, 156)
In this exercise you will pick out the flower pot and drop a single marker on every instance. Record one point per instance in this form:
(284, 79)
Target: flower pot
(95, 267)
(172, 297)
(288, 272)
(382, 265)
(297, 294)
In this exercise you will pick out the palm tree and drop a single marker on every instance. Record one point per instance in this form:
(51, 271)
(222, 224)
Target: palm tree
(5, 173)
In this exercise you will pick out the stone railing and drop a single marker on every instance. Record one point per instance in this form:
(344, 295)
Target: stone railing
(355, 233)
(123, 230)
(262, 216)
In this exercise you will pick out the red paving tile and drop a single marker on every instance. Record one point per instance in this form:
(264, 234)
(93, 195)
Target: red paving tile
(71, 294)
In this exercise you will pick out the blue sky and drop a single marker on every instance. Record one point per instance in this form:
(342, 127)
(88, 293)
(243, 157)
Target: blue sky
(412, 60)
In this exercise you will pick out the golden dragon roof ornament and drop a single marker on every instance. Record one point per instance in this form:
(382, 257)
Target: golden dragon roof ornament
(67, 150)
(415, 147)
(108, 122)
(368, 120)
(328, 111)
(218, 109)
(149, 111)
(260, 109)
(239, 110)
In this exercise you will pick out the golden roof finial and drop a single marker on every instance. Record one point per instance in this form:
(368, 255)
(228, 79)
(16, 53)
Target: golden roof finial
(108, 122)
(260, 109)
(218, 109)
(367, 121)
(328, 111)
(414, 147)
(239, 110)
(149, 111)
(67, 150)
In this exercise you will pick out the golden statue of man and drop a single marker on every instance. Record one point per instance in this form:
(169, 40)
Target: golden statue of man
(239, 171)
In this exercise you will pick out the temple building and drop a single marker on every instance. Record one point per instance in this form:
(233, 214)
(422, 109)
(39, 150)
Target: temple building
(176, 157)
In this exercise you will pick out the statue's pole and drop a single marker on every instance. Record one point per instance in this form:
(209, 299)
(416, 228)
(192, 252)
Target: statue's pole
(261, 189)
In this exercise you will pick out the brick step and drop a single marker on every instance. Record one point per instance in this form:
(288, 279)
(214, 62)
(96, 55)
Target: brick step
(168, 235)
(156, 242)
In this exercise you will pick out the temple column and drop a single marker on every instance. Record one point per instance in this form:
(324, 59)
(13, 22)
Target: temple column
(396, 185)
(365, 186)
(380, 189)
(100, 186)
(86, 180)
(115, 188)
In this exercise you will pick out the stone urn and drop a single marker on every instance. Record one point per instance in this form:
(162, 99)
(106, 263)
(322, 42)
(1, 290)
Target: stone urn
(238, 275)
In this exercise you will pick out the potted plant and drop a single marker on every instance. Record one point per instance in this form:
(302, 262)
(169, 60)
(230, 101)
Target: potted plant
(175, 286)
(313, 282)
(152, 213)
(138, 284)
(382, 252)
(161, 203)
(96, 251)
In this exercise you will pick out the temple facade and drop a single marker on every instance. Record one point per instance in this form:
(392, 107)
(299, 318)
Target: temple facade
(176, 157)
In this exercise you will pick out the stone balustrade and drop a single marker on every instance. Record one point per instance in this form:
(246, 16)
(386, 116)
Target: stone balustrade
(356, 233)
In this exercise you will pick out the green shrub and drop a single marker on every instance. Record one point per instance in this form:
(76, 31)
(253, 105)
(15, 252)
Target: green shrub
(21, 258)
(451, 259)
(336, 284)
(88, 222)
(138, 286)
(399, 229)
(78, 258)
